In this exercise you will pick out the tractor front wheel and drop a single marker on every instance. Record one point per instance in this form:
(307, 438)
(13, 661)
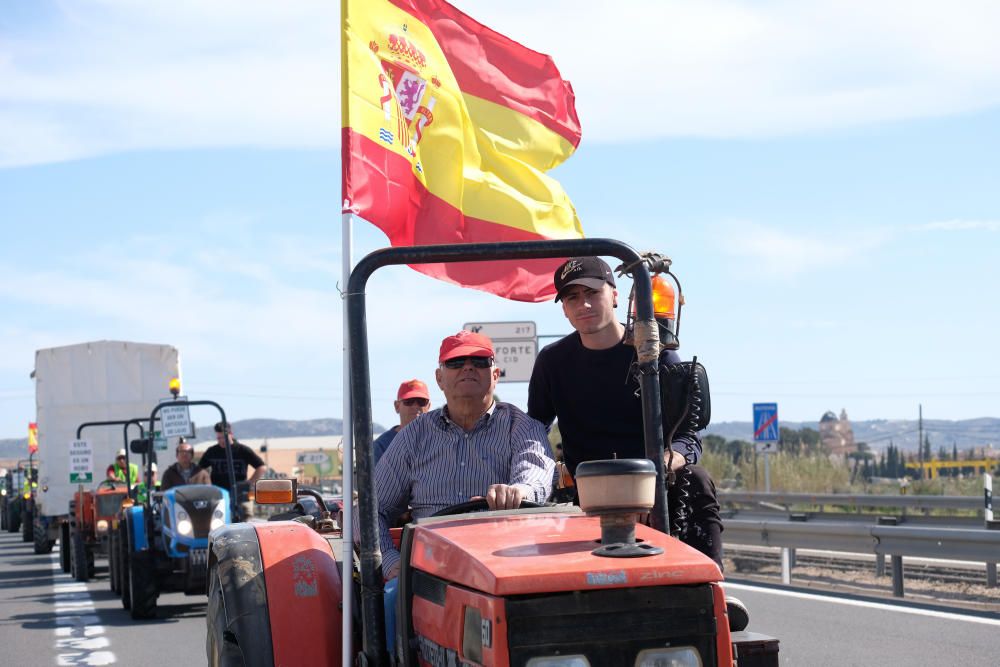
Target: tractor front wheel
(123, 565)
(141, 579)
(78, 555)
(113, 560)
(221, 646)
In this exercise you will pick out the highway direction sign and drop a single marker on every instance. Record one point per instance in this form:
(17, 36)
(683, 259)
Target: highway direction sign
(765, 422)
(515, 345)
(503, 330)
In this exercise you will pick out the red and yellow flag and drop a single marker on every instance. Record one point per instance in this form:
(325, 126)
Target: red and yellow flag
(449, 128)
(32, 437)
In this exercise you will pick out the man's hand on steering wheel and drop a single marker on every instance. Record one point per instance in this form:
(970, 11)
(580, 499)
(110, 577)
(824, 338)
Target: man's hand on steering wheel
(504, 497)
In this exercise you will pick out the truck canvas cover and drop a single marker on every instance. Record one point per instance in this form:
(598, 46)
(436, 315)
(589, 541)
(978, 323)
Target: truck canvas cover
(99, 381)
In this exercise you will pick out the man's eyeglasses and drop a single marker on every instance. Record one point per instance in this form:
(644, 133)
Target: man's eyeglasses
(477, 362)
(415, 401)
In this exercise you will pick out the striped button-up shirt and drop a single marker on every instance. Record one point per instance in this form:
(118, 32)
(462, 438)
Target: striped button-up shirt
(434, 463)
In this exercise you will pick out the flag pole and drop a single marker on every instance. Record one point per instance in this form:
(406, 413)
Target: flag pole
(347, 469)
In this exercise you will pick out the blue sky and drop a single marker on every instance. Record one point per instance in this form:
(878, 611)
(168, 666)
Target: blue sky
(824, 175)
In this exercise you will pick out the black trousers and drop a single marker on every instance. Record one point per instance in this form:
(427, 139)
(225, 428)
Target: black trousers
(694, 511)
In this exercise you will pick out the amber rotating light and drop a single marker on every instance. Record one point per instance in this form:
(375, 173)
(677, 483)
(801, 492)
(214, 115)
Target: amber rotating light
(618, 490)
(667, 300)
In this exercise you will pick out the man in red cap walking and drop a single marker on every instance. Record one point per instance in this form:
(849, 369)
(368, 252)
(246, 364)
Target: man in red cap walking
(412, 400)
(473, 447)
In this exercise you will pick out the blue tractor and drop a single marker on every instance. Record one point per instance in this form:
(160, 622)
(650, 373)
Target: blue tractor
(166, 535)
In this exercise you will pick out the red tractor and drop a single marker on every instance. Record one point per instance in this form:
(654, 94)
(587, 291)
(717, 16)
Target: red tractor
(558, 586)
(87, 534)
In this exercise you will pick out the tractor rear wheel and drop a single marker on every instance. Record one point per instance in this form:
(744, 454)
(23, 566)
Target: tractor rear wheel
(123, 567)
(40, 537)
(78, 555)
(141, 580)
(64, 546)
(13, 518)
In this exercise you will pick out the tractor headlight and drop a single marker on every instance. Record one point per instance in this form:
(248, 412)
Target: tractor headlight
(3, 492)
(680, 656)
(102, 526)
(184, 526)
(559, 661)
(218, 515)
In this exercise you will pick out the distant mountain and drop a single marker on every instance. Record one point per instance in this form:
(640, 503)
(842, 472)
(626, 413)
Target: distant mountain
(246, 429)
(877, 433)
(903, 433)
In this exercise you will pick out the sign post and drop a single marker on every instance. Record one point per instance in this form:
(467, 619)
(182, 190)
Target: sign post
(515, 345)
(81, 462)
(765, 431)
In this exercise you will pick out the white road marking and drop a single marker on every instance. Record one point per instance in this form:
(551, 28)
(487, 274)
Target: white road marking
(80, 640)
(864, 603)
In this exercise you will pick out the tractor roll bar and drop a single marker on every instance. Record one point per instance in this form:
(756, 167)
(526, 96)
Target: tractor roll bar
(125, 423)
(233, 500)
(647, 346)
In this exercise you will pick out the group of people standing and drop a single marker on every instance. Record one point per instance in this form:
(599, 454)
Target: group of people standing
(212, 468)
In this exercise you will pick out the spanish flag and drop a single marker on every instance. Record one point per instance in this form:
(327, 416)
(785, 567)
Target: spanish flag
(448, 130)
(32, 437)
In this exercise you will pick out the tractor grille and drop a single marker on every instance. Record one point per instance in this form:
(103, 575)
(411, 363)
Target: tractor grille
(199, 502)
(611, 626)
(108, 504)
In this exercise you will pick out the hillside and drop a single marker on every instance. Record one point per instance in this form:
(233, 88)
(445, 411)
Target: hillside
(877, 433)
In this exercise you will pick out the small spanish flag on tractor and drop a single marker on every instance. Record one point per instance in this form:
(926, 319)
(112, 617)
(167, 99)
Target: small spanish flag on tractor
(32, 437)
(448, 130)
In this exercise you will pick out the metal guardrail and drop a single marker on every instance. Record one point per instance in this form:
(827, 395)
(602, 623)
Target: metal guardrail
(853, 500)
(975, 545)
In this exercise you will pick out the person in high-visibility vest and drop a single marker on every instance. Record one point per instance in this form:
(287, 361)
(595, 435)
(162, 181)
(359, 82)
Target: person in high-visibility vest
(118, 469)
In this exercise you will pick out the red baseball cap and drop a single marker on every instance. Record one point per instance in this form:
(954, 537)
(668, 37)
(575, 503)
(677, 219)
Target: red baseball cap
(412, 389)
(465, 344)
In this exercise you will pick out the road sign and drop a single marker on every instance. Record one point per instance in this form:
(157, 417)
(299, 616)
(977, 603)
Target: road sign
(515, 345)
(160, 441)
(515, 358)
(503, 330)
(175, 420)
(81, 462)
(312, 458)
(765, 422)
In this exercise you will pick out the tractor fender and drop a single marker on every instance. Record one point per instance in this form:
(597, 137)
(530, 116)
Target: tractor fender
(301, 573)
(137, 527)
(235, 568)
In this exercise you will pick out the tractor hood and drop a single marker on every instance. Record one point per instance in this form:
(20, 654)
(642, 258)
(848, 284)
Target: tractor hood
(533, 551)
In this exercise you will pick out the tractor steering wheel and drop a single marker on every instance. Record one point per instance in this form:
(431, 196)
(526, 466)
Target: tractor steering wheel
(478, 505)
(110, 482)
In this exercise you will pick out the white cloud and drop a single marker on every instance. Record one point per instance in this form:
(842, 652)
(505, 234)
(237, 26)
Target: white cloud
(958, 225)
(112, 75)
(780, 253)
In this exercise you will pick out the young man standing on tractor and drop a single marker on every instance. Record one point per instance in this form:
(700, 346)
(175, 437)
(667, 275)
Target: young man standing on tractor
(243, 458)
(473, 447)
(585, 381)
(412, 400)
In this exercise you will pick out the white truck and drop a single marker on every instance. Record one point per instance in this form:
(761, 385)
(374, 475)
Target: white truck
(89, 382)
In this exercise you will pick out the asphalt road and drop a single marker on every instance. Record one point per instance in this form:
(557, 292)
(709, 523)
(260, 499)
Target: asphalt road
(48, 619)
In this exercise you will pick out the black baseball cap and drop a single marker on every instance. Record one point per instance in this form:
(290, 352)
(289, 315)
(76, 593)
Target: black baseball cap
(592, 272)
